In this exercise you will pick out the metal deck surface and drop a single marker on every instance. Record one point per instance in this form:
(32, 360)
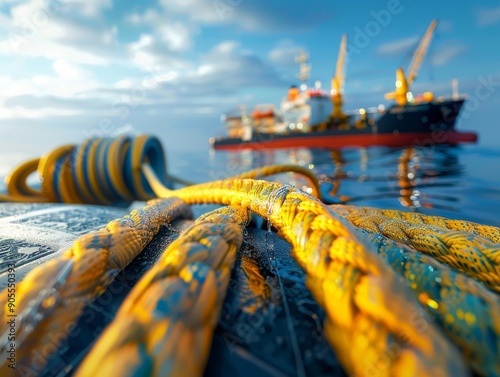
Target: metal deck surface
(270, 325)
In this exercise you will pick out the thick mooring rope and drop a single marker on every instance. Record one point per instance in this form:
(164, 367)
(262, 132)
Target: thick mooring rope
(465, 309)
(50, 299)
(374, 321)
(477, 256)
(491, 233)
(360, 293)
(165, 325)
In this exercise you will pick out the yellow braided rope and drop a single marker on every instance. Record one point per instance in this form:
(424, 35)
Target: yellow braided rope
(361, 295)
(491, 233)
(468, 252)
(466, 310)
(165, 325)
(52, 296)
(278, 169)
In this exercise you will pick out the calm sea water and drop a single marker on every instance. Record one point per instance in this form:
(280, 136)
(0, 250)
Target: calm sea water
(459, 182)
(455, 182)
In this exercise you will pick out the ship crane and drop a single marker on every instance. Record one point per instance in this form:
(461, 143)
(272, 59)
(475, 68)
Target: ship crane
(403, 94)
(338, 82)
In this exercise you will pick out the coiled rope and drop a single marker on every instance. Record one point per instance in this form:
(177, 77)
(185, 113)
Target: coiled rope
(366, 324)
(165, 325)
(108, 172)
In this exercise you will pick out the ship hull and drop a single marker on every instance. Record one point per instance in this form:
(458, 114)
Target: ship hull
(333, 141)
(423, 124)
(426, 116)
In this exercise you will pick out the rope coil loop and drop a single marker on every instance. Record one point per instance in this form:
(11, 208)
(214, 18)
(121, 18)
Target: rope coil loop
(111, 171)
(100, 171)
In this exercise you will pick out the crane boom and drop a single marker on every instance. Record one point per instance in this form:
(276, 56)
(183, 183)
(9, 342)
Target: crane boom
(338, 84)
(402, 94)
(420, 52)
(339, 71)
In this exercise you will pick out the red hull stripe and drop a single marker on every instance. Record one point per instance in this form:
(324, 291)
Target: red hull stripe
(340, 141)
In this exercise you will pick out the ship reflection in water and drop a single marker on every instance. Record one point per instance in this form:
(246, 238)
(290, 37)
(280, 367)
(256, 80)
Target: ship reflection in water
(417, 178)
(412, 180)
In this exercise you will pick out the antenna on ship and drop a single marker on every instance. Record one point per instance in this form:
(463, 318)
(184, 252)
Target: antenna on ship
(305, 69)
(454, 85)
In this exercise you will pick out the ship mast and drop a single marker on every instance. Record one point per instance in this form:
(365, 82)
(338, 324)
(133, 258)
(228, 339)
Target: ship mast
(403, 82)
(305, 69)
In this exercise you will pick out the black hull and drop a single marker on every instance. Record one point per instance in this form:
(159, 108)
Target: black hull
(420, 124)
(429, 116)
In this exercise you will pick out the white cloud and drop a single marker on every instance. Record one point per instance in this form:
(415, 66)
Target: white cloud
(285, 53)
(228, 67)
(37, 85)
(164, 43)
(447, 52)
(204, 69)
(68, 70)
(149, 52)
(177, 35)
(487, 16)
(75, 32)
(173, 26)
(198, 10)
(439, 56)
(255, 15)
(75, 42)
(55, 30)
(398, 47)
(10, 109)
(226, 48)
(51, 50)
(211, 83)
(91, 8)
(124, 84)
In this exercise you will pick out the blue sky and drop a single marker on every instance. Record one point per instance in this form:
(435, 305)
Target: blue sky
(76, 68)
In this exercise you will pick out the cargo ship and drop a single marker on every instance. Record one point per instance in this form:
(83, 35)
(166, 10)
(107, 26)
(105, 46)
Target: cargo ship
(314, 118)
